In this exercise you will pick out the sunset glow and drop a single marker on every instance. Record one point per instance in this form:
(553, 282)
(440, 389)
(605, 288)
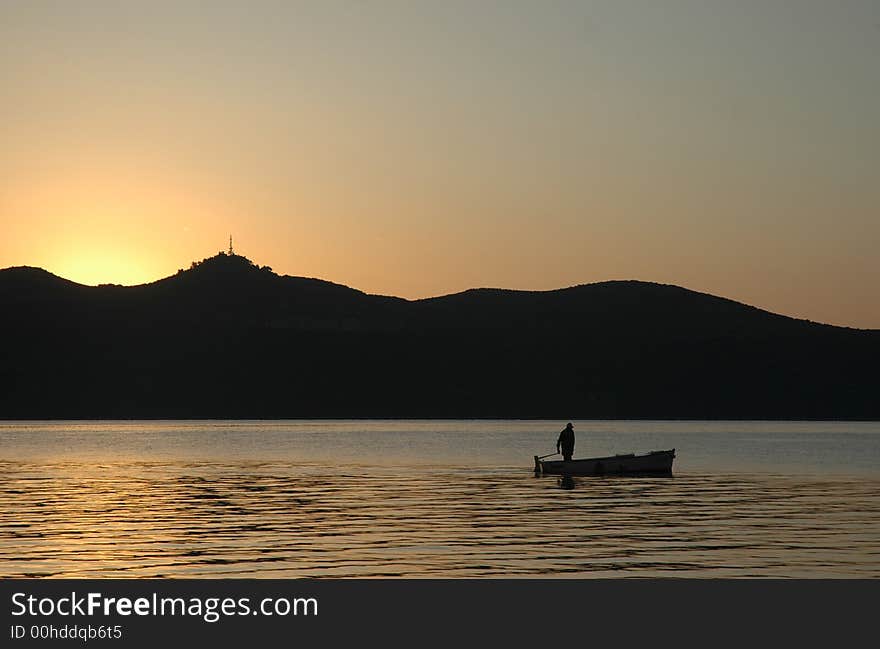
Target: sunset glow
(399, 149)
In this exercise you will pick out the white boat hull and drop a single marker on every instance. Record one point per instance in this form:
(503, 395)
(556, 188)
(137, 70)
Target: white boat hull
(653, 463)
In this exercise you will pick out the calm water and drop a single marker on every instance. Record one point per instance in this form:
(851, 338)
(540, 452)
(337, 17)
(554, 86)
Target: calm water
(434, 499)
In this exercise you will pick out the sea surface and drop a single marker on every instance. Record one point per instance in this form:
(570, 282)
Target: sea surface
(434, 499)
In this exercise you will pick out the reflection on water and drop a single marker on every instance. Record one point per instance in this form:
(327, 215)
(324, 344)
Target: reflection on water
(287, 519)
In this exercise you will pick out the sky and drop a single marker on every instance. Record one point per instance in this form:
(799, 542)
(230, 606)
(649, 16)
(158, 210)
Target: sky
(423, 148)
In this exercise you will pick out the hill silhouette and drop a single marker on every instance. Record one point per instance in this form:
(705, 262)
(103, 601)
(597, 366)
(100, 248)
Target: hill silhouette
(228, 338)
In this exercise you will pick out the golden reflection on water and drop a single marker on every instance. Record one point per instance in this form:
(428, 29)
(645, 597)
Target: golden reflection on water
(282, 519)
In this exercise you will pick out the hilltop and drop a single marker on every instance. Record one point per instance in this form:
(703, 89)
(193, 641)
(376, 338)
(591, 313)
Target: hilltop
(229, 338)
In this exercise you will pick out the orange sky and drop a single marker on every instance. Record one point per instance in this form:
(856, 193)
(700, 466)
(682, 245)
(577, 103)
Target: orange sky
(421, 149)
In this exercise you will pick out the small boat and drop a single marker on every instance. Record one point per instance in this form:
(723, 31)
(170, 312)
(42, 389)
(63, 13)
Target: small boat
(653, 463)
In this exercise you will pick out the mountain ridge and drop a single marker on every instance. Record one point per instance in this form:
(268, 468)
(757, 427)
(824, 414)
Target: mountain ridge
(230, 339)
(463, 296)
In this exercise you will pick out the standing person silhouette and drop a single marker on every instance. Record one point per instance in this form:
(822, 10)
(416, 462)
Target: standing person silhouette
(565, 443)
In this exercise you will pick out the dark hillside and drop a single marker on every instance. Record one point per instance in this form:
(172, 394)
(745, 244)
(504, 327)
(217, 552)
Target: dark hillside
(227, 338)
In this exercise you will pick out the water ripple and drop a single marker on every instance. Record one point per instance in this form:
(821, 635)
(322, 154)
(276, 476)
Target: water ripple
(284, 519)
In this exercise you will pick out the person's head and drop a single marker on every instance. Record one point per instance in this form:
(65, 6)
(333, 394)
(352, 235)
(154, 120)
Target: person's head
(569, 426)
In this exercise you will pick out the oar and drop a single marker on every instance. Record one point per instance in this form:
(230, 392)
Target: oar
(538, 466)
